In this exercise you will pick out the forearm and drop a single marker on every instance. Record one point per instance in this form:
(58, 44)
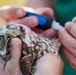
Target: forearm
(39, 3)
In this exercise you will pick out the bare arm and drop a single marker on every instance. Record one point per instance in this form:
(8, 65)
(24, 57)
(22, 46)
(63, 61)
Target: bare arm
(39, 3)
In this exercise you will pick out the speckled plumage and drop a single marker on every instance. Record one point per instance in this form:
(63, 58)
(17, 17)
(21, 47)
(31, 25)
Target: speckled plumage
(34, 46)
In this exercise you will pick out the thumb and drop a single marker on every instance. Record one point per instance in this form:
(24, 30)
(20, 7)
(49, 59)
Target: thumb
(15, 46)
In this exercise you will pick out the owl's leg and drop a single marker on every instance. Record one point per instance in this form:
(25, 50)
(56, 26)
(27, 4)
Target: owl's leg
(26, 65)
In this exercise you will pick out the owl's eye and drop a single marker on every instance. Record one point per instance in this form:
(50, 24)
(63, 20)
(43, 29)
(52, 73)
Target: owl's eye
(1, 39)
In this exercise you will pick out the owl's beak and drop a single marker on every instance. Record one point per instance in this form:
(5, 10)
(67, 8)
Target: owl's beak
(11, 34)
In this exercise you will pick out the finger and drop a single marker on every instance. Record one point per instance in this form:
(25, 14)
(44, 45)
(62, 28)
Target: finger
(2, 63)
(36, 30)
(15, 47)
(71, 28)
(50, 33)
(46, 11)
(13, 65)
(67, 41)
(28, 21)
(69, 57)
(8, 12)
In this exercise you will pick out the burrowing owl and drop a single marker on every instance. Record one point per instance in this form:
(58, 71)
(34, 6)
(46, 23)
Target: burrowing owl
(33, 46)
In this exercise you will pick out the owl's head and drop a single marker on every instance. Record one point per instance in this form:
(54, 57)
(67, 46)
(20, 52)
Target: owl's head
(9, 31)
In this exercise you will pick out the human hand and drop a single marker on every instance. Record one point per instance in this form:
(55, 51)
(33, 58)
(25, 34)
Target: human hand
(67, 37)
(12, 67)
(49, 64)
(11, 14)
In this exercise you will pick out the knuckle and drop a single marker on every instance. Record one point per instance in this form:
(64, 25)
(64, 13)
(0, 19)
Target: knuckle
(72, 62)
(73, 48)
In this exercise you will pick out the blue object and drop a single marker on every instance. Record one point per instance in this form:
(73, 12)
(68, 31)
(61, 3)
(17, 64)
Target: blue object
(44, 22)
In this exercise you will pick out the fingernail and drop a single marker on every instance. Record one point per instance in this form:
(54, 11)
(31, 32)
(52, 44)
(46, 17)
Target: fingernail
(19, 12)
(68, 23)
(47, 35)
(14, 43)
(32, 21)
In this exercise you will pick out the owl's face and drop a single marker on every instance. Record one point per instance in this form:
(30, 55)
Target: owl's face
(6, 33)
(9, 31)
